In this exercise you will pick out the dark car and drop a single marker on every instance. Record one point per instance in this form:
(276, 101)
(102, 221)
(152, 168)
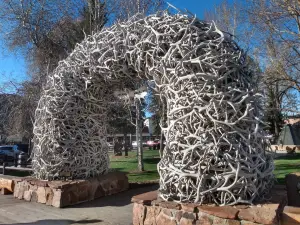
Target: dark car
(10, 153)
(21, 148)
(7, 154)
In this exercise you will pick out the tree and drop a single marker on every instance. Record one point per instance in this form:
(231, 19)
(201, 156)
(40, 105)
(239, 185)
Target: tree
(280, 23)
(270, 30)
(139, 104)
(122, 10)
(17, 110)
(273, 116)
(232, 18)
(157, 107)
(139, 127)
(8, 103)
(46, 32)
(59, 42)
(119, 121)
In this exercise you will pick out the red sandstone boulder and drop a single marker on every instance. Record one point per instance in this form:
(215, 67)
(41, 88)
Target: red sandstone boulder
(139, 213)
(267, 214)
(188, 219)
(225, 212)
(64, 193)
(203, 219)
(292, 181)
(152, 213)
(148, 210)
(145, 198)
(165, 218)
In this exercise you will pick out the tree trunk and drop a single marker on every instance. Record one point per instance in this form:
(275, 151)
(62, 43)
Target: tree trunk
(139, 135)
(277, 113)
(125, 144)
(130, 141)
(162, 119)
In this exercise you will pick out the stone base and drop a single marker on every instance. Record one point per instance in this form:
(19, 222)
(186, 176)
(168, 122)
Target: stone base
(6, 185)
(64, 193)
(148, 209)
(292, 182)
(290, 216)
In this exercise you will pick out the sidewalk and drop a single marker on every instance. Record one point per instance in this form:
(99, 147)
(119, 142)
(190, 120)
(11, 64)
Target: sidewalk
(110, 210)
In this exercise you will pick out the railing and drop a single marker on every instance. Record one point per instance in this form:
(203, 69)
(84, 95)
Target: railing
(4, 168)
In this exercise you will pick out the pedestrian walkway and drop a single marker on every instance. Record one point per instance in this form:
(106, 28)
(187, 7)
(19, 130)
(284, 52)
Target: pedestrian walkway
(109, 210)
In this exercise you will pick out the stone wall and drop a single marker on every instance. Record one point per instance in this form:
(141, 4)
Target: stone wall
(290, 216)
(64, 193)
(150, 210)
(292, 181)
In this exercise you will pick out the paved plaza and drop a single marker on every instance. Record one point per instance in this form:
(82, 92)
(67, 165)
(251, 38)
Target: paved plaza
(110, 210)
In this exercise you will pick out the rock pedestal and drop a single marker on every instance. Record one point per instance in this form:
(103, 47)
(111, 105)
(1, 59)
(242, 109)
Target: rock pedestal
(293, 189)
(6, 185)
(291, 216)
(64, 193)
(148, 209)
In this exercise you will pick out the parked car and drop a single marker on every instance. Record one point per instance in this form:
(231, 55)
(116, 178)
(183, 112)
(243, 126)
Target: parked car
(110, 146)
(7, 154)
(134, 144)
(21, 148)
(153, 144)
(126, 144)
(10, 153)
(144, 143)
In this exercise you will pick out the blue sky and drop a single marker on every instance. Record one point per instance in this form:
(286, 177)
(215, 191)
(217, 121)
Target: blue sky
(13, 66)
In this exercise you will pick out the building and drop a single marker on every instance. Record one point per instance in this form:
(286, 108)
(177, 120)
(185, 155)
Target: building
(147, 133)
(130, 137)
(289, 138)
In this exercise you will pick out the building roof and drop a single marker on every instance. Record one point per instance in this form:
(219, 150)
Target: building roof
(290, 134)
(293, 116)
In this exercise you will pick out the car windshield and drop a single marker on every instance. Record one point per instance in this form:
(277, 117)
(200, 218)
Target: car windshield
(6, 148)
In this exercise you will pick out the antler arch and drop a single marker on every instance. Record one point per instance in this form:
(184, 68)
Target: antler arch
(215, 144)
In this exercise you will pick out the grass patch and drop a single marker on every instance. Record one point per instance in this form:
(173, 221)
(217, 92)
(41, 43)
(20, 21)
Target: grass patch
(285, 165)
(129, 164)
(17, 173)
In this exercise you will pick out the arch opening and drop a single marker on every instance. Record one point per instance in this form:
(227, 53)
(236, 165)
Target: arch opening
(215, 146)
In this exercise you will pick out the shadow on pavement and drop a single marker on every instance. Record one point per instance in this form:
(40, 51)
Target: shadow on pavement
(60, 222)
(119, 199)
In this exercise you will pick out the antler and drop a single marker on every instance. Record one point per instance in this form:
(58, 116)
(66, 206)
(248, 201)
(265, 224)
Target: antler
(215, 150)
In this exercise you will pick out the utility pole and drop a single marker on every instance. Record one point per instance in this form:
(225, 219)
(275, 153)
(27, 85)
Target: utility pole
(139, 135)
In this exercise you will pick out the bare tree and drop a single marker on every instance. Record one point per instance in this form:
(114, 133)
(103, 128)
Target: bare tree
(232, 18)
(122, 10)
(139, 127)
(279, 21)
(46, 32)
(270, 30)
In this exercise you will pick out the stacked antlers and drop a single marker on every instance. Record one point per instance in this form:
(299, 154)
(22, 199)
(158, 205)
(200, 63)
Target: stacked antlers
(215, 146)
